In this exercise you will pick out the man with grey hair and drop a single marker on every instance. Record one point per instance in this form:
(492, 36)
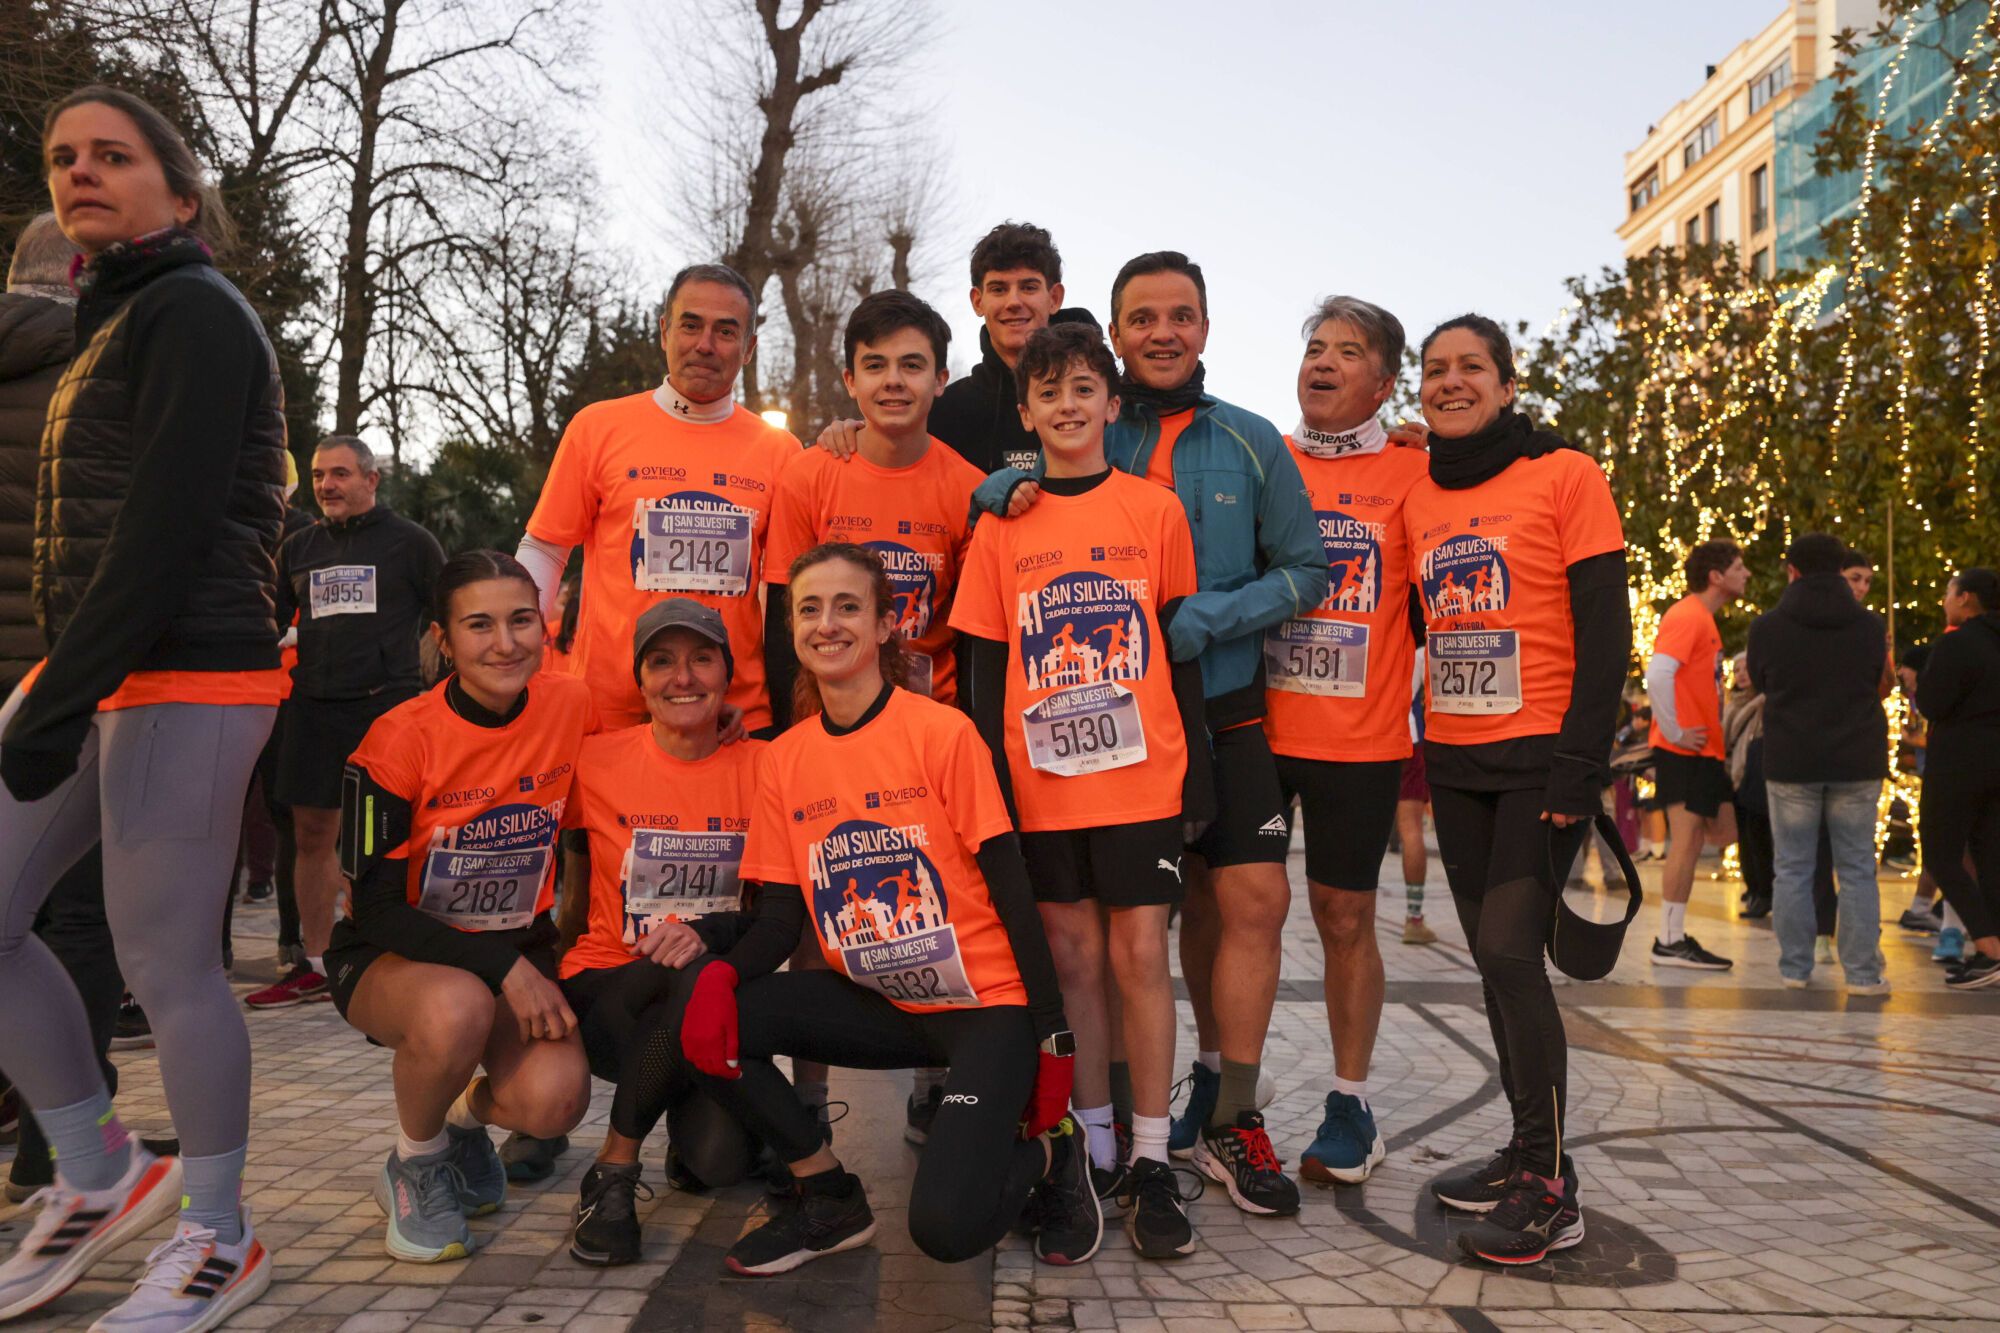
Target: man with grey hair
(1338, 685)
(37, 324)
(360, 583)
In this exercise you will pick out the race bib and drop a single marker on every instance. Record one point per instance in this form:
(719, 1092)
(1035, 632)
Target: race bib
(1085, 729)
(679, 877)
(342, 590)
(1323, 657)
(1475, 671)
(920, 672)
(484, 890)
(921, 968)
(687, 545)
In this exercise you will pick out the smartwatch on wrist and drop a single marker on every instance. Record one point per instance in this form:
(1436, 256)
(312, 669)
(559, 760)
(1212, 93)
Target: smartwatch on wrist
(1059, 1044)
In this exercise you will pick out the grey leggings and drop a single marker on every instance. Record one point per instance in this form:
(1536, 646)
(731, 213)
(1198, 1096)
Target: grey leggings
(162, 786)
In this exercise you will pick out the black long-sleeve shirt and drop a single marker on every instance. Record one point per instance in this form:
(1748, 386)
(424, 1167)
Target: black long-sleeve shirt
(346, 653)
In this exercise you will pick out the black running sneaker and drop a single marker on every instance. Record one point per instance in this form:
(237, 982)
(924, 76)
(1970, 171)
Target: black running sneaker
(132, 1031)
(1110, 1181)
(1478, 1189)
(1756, 906)
(1536, 1216)
(814, 1222)
(528, 1158)
(260, 891)
(1976, 973)
(606, 1230)
(1687, 952)
(1242, 1158)
(1069, 1223)
(917, 1115)
(1157, 1219)
(1917, 923)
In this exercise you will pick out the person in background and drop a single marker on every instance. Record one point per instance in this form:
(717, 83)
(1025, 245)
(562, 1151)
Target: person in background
(1743, 737)
(569, 610)
(1959, 694)
(1818, 657)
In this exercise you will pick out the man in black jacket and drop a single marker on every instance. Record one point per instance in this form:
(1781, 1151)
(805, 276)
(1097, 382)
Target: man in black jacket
(37, 324)
(360, 583)
(1959, 696)
(1818, 658)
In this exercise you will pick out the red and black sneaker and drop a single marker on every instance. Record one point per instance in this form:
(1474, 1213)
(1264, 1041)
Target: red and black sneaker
(299, 986)
(1242, 1159)
(1537, 1216)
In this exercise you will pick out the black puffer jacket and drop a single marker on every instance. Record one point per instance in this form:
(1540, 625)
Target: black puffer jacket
(1819, 658)
(161, 487)
(36, 338)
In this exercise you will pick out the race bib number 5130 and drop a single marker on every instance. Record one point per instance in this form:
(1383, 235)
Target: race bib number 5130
(1475, 671)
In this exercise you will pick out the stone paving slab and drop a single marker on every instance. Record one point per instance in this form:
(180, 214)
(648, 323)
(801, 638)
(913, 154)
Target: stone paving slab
(1751, 1158)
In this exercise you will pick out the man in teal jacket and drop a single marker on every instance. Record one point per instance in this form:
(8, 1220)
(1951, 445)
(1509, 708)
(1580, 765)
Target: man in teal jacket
(1260, 561)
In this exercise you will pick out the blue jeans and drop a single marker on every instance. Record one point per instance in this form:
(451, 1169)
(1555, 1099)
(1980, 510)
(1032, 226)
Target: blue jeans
(1848, 810)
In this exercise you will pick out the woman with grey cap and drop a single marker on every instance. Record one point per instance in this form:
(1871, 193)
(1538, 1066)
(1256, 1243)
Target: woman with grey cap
(666, 806)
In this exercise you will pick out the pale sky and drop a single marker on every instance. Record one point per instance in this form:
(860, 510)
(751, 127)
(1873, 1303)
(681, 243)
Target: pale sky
(1433, 156)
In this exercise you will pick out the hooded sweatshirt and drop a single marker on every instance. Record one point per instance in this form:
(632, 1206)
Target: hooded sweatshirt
(980, 416)
(1959, 695)
(36, 338)
(1818, 658)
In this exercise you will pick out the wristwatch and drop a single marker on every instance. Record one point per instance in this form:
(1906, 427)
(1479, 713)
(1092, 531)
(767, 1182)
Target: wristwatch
(1060, 1044)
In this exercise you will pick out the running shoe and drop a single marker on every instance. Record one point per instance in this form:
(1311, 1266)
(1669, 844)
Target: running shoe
(1822, 949)
(1917, 923)
(1687, 952)
(1202, 1084)
(192, 1282)
(1756, 906)
(605, 1230)
(131, 1031)
(260, 892)
(299, 986)
(76, 1228)
(482, 1180)
(1156, 1219)
(1110, 1181)
(1416, 932)
(528, 1158)
(420, 1199)
(809, 1225)
(1240, 1156)
(1950, 946)
(1069, 1222)
(1347, 1146)
(1868, 988)
(918, 1113)
(1536, 1216)
(1478, 1189)
(1975, 973)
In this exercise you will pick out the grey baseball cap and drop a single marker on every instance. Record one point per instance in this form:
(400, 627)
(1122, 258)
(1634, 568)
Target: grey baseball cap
(681, 613)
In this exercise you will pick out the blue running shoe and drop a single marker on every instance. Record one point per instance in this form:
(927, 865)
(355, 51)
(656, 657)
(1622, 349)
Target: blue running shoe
(1202, 1084)
(481, 1180)
(1950, 946)
(1348, 1145)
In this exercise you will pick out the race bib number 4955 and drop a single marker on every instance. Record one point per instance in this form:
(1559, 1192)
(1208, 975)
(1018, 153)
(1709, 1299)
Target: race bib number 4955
(1475, 671)
(342, 590)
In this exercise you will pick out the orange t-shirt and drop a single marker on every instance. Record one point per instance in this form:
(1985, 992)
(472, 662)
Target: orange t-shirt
(1338, 678)
(1160, 463)
(1074, 587)
(1492, 562)
(665, 837)
(663, 508)
(485, 802)
(878, 828)
(223, 689)
(1688, 635)
(917, 518)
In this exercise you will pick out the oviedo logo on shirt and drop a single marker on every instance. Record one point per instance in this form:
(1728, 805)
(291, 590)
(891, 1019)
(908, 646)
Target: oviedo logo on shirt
(728, 823)
(541, 780)
(740, 482)
(1371, 501)
(820, 808)
(873, 885)
(656, 472)
(651, 821)
(1080, 629)
(1464, 576)
(1353, 559)
(1037, 560)
(875, 800)
(465, 796)
(913, 582)
(917, 527)
(1118, 553)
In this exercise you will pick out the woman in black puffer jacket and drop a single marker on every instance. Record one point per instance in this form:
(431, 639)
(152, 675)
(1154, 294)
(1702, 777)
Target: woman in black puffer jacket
(159, 497)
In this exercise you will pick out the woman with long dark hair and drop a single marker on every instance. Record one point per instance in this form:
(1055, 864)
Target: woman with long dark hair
(159, 503)
(1516, 545)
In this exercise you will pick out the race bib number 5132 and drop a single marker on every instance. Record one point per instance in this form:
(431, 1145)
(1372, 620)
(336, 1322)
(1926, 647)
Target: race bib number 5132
(1475, 671)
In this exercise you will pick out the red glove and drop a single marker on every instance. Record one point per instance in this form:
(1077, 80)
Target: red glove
(708, 1027)
(1048, 1103)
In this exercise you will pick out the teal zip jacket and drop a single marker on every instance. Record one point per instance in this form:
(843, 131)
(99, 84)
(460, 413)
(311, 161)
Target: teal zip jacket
(1257, 548)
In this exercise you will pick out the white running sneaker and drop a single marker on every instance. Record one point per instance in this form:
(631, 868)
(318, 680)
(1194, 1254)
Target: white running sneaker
(192, 1282)
(76, 1228)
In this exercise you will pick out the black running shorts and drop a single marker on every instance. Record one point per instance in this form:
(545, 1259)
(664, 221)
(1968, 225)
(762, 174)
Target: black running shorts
(1250, 826)
(1349, 811)
(1120, 865)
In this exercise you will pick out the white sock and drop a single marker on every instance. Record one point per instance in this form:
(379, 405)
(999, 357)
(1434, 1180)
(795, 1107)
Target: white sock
(1673, 922)
(460, 1115)
(927, 1079)
(317, 962)
(410, 1149)
(1353, 1087)
(1952, 920)
(1920, 901)
(1103, 1139)
(1209, 1060)
(1149, 1137)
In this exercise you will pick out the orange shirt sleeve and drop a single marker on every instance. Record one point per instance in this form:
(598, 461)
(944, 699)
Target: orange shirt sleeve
(794, 506)
(1679, 635)
(566, 511)
(394, 762)
(1177, 569)
(970, 791)
(1588, 516)
(977, 606)
(767, 854)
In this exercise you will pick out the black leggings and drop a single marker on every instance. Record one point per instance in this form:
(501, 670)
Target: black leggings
(630, 1020)
(1959, 812)
(1495, 848)
(975, 1172)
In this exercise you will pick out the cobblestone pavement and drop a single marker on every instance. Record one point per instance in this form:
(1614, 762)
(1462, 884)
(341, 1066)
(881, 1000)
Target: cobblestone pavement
(1751, 1158)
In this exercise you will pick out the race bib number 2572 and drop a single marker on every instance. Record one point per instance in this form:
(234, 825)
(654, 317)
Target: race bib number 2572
(1475, 671)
